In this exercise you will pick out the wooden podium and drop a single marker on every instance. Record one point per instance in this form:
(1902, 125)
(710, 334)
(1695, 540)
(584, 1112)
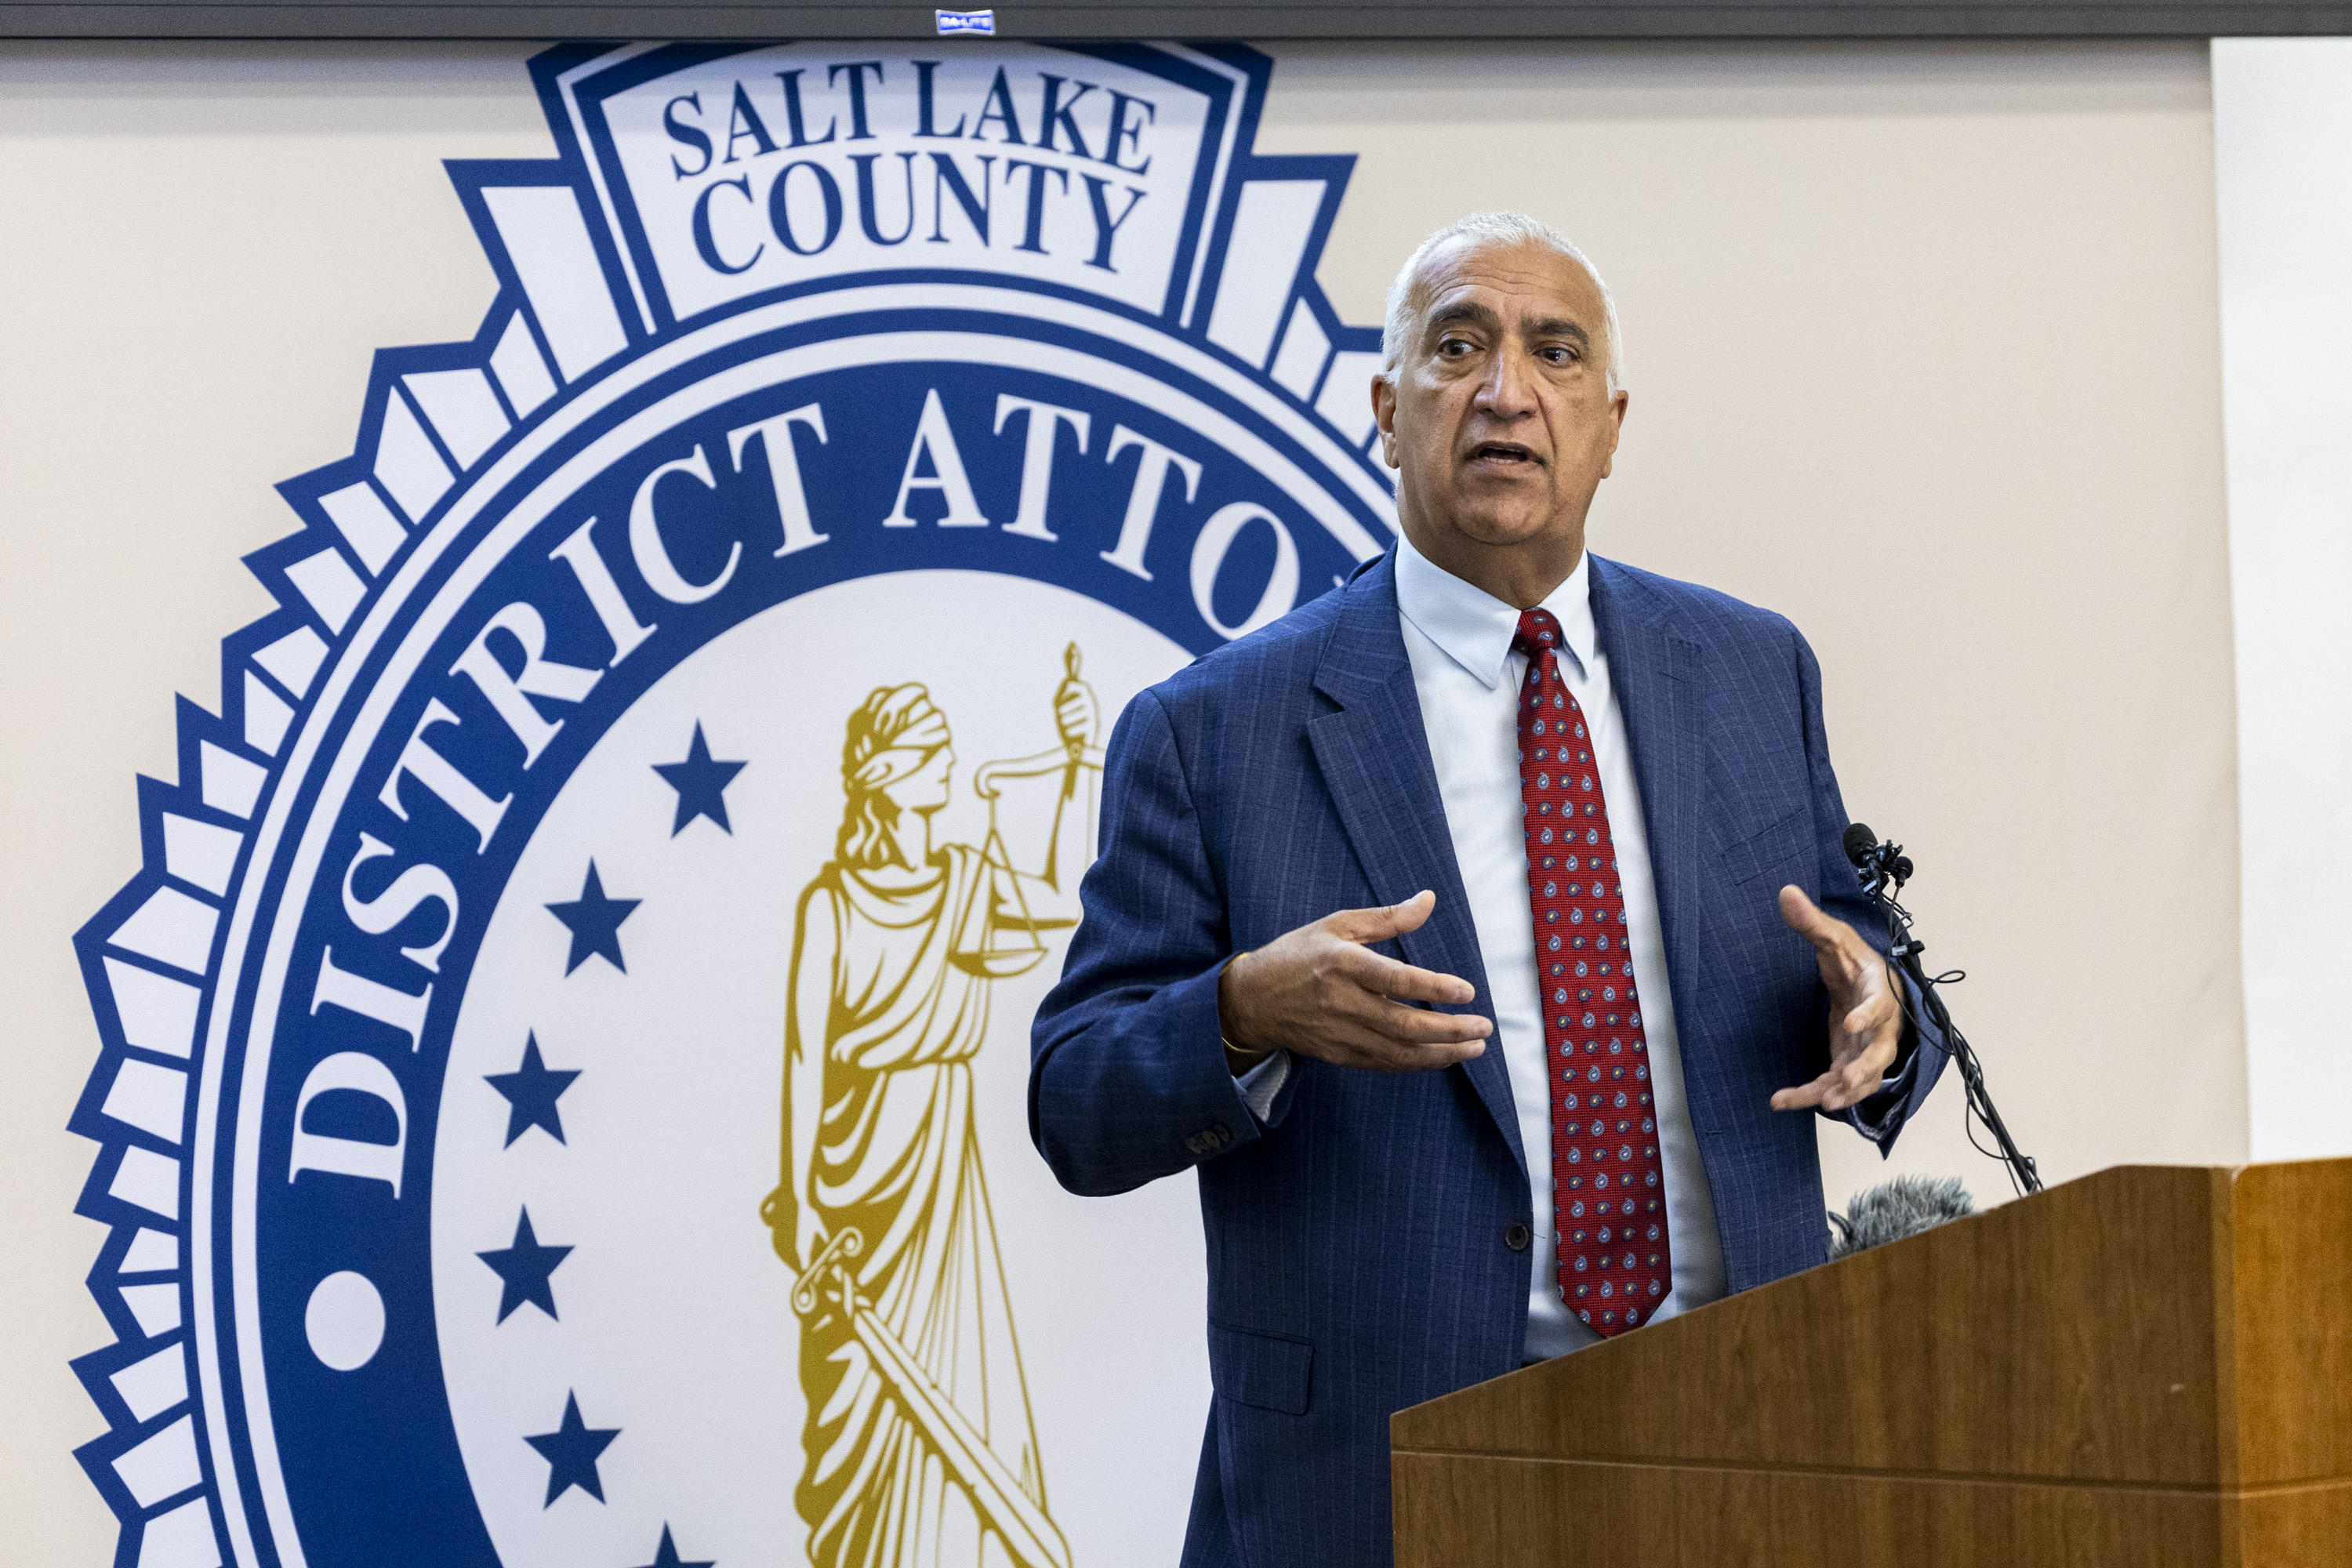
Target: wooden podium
(2150, 1368)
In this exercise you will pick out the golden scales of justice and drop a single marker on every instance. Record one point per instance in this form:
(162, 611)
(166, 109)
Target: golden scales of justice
(1073, 761)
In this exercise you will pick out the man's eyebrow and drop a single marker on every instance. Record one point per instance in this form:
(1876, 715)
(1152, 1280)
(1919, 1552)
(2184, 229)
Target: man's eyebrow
(1555, 327)
(1465, 310)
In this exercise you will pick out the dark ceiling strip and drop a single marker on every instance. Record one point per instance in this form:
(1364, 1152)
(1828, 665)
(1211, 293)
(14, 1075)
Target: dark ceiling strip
(322, 19)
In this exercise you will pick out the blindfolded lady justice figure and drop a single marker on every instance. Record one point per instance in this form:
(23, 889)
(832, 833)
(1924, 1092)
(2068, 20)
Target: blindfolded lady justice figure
(919, 1446)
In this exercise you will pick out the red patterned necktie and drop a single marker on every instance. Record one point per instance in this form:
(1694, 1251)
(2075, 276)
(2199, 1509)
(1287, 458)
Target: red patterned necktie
(1609, 1194)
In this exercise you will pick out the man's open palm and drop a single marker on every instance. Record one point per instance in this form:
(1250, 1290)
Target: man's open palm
(1865, 1019)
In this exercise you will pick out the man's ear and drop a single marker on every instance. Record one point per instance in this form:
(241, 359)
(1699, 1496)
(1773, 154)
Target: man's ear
(1384, 415)
(1624, 401)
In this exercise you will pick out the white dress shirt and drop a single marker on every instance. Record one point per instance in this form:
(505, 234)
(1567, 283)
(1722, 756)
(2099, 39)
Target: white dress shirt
(1468, 677)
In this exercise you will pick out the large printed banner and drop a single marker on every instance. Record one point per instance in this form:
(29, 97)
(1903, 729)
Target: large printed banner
(564, 1090)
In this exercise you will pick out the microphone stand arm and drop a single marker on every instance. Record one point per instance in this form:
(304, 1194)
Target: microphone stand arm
(1883, 876)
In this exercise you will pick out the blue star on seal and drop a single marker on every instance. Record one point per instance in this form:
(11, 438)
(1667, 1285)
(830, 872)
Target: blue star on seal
(595, 923)
(667, 1555)
(531, 1091)
(701, 783)
(525, 1271)
(571, 1452)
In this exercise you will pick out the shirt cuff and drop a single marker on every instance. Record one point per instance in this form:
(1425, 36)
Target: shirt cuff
(1262, 1083)
(1882, 1116)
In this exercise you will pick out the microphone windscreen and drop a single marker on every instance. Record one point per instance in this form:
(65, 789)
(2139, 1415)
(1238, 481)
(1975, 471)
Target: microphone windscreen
(1859, 842)
(1893, 1210)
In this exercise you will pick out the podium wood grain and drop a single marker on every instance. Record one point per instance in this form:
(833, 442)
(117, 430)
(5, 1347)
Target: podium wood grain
(2150, 1366)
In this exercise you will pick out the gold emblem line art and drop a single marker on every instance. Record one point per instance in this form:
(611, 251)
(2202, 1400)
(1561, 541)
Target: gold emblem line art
(919, 1444)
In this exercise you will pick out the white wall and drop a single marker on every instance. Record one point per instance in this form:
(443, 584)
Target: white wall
(2283, 132)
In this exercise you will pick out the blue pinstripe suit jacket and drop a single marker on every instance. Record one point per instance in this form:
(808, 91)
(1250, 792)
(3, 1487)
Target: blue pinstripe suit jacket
(1356, 1253)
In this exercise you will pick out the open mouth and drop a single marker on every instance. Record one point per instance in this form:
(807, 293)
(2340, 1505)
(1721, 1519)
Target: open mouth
(1502, 455)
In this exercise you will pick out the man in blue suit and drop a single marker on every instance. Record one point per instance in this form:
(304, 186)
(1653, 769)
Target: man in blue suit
(1468, 930)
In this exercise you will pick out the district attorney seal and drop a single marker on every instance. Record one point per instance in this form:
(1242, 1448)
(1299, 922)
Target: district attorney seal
(670, 763)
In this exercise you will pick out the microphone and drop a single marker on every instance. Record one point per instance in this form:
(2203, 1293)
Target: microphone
(1878, 864)
(1893, 1210)
(1883, 869)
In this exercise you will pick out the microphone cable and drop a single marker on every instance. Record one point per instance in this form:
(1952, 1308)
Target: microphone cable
(1883, 870)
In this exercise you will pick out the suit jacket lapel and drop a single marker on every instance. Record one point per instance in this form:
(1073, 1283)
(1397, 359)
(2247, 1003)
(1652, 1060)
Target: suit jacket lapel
(1659, 680)
(1374, 756)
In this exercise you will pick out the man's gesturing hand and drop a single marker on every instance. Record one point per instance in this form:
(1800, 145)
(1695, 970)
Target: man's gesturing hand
(1319, 992)
(1866, 1020)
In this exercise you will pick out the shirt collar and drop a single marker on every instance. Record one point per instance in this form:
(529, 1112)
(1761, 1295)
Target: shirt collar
(1474, 628)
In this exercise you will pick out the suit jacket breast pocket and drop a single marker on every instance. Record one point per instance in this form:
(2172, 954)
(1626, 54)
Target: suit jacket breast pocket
(1782, 851)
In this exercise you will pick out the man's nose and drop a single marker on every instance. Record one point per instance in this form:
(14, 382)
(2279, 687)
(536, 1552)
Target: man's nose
(1508, 389)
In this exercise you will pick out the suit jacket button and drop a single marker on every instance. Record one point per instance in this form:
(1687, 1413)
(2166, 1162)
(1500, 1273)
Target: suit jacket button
(1516, 1236)
(1197, 1144)
(1219, 1136)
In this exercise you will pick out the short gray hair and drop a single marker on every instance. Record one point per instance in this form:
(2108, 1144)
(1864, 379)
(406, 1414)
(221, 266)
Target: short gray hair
(1507, 228)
